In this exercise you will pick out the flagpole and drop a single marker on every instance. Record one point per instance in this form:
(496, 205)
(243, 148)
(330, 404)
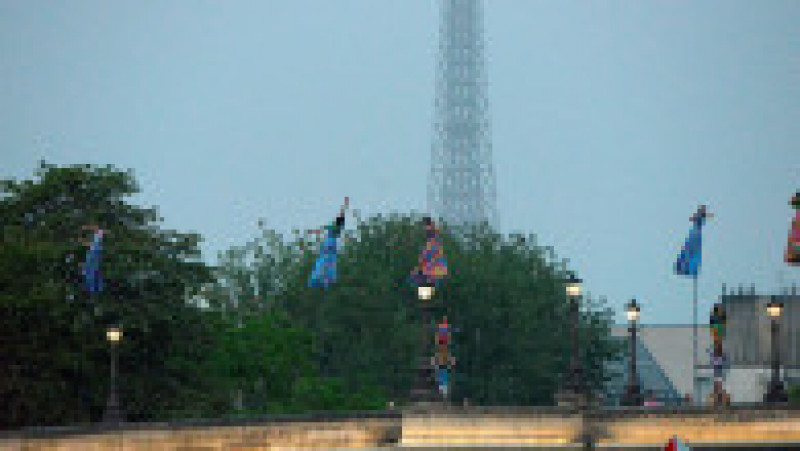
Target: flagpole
(689, 264)
(694, 339)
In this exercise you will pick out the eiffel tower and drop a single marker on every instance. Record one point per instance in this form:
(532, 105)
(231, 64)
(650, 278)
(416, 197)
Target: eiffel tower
(461, 186)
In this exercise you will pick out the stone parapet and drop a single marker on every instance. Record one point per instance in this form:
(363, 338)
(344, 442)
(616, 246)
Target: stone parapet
(316, 431)
(435, 425)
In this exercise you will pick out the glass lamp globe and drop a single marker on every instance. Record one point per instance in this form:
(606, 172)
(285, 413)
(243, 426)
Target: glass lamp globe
(114, 334)
(774, 309)
(574, 286)
(425, 292)
(633, 311)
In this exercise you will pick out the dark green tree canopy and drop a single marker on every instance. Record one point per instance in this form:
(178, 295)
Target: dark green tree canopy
(57, 350)
(265, 338)
(506, 294)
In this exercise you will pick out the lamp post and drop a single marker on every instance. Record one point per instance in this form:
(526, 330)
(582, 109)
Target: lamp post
(633, 392)
(423, 388)
(574, 290)
(776, 392)
(113, 413)
(569, 393)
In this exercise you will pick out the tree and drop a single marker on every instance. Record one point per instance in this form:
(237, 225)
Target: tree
(261, 355)
(253, 283)
(365, 322)
(251, 278)
(506, 294)
(53, 332)
(794, 395)
(44, 346)
(271, 363)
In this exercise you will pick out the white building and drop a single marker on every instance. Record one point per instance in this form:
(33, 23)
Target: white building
(664, 352)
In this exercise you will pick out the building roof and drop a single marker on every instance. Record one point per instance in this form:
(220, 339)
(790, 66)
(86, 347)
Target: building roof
(671, 347)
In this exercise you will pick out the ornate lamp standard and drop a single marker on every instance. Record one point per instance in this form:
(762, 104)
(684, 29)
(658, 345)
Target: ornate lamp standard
(776, 392)
(569, 393)
(633, 395)
(113, 413)
(423, 388)
(574, 289)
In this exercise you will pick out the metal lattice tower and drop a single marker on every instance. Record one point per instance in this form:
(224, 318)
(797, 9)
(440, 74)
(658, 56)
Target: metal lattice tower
(461, 187)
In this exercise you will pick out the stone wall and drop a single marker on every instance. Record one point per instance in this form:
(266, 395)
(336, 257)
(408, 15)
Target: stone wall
(624, 426)
(701, 425)
(323, 431)
(443, 425)
(476, 427)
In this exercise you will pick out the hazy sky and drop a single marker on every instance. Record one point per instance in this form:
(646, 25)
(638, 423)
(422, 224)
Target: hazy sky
(611, 121)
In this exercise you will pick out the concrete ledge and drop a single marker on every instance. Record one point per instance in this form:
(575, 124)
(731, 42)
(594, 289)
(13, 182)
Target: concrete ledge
(100, 428)
(444, 426)
(353, 434)
(632, 425)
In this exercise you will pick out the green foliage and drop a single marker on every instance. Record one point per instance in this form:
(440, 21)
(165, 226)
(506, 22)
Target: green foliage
(315, 393)
(794, 394)
(259, 277)
(255, 275)
(271, 363)
(45, 347)
(53, 332)
(504, 294)
(262, 355)
(267, 336)
(509, 300)
(365, 323)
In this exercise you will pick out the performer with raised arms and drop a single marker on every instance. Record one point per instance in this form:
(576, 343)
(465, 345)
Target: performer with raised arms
(324, 273)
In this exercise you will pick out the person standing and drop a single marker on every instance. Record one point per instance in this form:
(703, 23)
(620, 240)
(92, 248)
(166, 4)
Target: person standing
(443, 362)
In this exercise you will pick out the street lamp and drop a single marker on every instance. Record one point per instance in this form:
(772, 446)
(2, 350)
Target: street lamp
(776, 392)
(423, 388)
(113, 413)
(633, 393)
(574, 290)
(425, 292)
(574, 286)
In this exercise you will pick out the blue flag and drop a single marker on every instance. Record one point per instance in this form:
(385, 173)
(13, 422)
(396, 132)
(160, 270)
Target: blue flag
(91, 269)
(688, 263)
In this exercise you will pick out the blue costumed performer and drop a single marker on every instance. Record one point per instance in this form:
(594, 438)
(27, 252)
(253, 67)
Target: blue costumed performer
(324, 273)
(93, 280)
